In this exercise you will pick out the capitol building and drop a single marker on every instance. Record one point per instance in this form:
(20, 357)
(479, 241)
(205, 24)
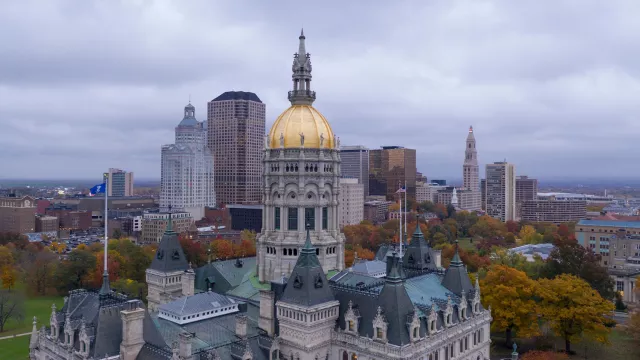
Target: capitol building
(295, 300)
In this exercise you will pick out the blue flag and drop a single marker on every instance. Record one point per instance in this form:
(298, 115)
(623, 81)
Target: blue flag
(98, 189)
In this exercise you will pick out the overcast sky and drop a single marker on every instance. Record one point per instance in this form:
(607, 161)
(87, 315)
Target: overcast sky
(552, 86)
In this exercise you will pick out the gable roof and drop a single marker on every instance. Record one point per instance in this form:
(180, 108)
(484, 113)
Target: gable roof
(307, 285)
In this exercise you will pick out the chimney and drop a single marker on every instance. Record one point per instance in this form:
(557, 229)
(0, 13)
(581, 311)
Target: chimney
(132, 331)
(185, 346)
(188, 282)
(438, 257)
(267, 311)
(241, 326)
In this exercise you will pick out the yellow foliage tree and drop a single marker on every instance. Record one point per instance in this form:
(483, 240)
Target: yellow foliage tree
(573, 309)
(8, 277)
(510, 293)
(526, 234)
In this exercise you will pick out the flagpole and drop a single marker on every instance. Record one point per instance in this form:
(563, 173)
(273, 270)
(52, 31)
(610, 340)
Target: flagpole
(105, 290)
(405, 209)
(400, 223)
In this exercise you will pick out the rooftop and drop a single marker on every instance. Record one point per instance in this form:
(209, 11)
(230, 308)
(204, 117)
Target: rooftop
(188, 309)
(610, 223)
(238, 95)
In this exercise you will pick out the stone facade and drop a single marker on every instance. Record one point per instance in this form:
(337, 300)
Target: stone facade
(301, 183)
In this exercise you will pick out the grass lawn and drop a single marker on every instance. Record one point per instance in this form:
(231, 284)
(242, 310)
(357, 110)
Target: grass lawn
(39, 307)
(621, 347)
(466, 244)
(15, 348)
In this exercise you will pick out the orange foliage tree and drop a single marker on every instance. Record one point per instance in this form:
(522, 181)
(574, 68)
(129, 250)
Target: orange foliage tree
(222, 249)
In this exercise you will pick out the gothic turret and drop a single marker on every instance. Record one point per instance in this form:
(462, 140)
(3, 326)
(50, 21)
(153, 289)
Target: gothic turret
(164, 276)
(456, 278)
(307, 285)
(418, 254)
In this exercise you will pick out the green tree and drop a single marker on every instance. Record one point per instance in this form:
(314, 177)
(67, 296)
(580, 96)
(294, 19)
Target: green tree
(76, 271)
(117, 234)
(573, 309)
(574, 259)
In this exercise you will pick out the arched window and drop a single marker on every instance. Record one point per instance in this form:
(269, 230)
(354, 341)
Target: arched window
(345, 356)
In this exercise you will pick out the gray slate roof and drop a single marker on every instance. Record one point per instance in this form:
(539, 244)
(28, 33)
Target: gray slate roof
(169, 256)
(197, 303)
(307, 285)
(418, 255)
(456, 277)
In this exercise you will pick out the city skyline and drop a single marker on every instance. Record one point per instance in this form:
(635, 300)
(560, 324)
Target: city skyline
(534, 90)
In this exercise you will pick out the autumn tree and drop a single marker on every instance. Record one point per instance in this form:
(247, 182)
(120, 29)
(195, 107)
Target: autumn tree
(222, 249)
(39, 269)
(526, 234)
(193, 250)
(574, 310)
(574, 259)
(8, 276)
(76, 271)
(11, 307)
(465, 221)
(487, 227)
(510, 293)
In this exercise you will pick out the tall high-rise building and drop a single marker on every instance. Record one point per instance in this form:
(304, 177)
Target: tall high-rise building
(483, 193)
(235, 133)
(389, 168)
(355, 164)
(526, 189)
(501, 190)
(186, 181)
(301, 183)
(470, 174)
(120, 183)
(351, 208)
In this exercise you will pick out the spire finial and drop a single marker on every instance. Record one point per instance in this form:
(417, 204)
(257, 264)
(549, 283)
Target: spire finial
(470, 128)
(302, 33)
(189, 98)
(169, 223)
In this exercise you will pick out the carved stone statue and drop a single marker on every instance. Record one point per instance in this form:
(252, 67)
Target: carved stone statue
(337, 142)
(281, 140)
(321, 139)
(301, 139)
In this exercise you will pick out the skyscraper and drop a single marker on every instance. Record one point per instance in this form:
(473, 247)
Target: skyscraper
(301, 183)
(501, 190)
(186, 181)
(235, 133)
(120, 183)
(470, 170)
(389, 169)
(355, 164)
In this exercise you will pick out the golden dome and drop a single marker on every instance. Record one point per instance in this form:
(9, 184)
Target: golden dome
(301, 119)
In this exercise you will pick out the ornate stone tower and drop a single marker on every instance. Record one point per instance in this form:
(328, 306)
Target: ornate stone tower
(470, 172)
(167, 271)
(307, 310)
(301, 183)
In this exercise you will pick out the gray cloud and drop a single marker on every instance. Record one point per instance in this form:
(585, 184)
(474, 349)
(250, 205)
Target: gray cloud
(87, 85)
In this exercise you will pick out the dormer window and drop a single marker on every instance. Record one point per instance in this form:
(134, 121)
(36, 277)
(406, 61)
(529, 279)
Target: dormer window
(380, 326)
(352, 318)
(414, 326)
